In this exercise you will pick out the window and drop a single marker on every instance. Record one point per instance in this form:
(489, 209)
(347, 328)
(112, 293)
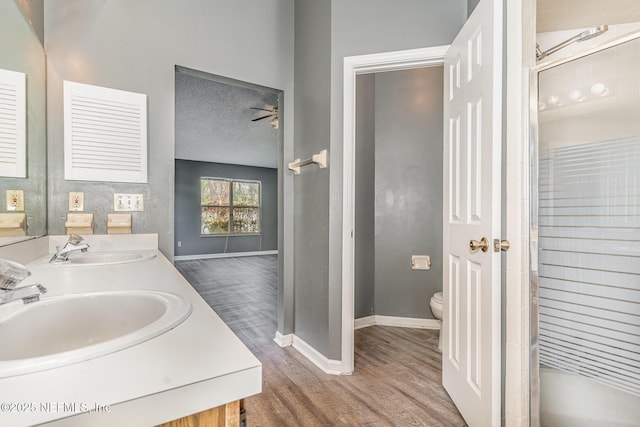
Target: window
(229, 207)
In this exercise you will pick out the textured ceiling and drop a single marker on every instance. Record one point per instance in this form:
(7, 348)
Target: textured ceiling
(213, 123)
(556, 15)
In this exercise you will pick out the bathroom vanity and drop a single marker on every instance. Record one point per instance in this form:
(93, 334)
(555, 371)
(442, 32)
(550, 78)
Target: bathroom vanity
(130, 368)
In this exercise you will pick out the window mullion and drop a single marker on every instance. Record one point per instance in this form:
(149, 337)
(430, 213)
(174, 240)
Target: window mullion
(231, 230)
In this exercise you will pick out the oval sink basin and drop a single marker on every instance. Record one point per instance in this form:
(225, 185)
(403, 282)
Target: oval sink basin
(106, 258)
(67, 329)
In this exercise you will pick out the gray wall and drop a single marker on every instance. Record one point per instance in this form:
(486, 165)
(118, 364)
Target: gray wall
(187, 212)
(354, 27)
(311, 204)
(135, 46)
(408, 189)
(471, 6)
(34, 11)
(398, 191)
(365, 196)
(213, 123)
(20, 50)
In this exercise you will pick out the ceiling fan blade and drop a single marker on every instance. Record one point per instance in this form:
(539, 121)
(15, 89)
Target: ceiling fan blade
(263, 117)
(262, 109)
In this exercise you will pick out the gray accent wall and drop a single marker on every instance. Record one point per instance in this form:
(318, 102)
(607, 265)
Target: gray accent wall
(398, 184)
(21, 51)
(408, 189)
(311, 202)
(365, 196)
(135, 46)
(326, 32)
(187, 212)
(471, 6)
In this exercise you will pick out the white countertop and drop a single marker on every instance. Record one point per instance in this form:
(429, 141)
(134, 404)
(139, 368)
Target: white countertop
(200, 364)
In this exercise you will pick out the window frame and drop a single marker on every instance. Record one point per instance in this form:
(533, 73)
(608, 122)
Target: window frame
(231, 206)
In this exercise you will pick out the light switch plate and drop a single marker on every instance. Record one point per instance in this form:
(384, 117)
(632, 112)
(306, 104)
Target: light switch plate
(421, 262)
(128, 202)
(76, 201)
(15, 200)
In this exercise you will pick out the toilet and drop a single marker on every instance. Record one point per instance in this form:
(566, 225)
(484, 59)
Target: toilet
(436, 309)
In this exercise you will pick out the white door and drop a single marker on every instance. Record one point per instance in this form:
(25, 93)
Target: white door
(472, 149)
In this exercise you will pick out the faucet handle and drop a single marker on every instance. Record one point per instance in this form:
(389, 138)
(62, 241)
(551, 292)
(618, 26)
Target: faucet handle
(12, 273)
(35, 297)
(75, 239)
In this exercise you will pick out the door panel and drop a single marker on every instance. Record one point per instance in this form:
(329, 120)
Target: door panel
(472, 144)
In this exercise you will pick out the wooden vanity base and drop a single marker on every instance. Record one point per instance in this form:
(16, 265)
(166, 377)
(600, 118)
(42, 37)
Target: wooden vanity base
(222, 416)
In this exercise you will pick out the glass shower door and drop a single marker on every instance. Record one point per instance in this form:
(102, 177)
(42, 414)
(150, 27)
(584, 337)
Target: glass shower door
(588, 230)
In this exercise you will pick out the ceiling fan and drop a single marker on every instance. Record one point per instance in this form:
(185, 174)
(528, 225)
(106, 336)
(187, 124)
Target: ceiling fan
(273, 112)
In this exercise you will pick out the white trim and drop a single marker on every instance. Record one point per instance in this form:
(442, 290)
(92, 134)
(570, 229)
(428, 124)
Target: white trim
(400, 322)
(328, 366)
(283, 340)
(354, 65)
(224, 255)
(364, 322)
(408, 322)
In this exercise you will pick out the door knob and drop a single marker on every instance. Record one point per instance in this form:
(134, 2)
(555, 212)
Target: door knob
(482, 244)
(501, 245)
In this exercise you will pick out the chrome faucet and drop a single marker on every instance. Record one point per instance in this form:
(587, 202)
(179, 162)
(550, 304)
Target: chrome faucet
(12, 273)
(74, 244)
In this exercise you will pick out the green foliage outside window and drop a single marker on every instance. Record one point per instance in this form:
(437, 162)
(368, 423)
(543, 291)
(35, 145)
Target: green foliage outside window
(229, 207)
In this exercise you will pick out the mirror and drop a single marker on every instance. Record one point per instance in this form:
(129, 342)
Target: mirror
(21, 51)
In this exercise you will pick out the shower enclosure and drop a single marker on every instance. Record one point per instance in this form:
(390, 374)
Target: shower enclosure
(586, 225)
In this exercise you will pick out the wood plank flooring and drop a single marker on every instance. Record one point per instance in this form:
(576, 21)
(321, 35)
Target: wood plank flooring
(397, 379)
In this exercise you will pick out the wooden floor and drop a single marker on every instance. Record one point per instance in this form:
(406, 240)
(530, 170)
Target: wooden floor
(397, 379)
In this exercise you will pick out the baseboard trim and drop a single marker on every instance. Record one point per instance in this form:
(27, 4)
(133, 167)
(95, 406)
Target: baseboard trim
(400, 322)
(364, 322)
(328, 366)
(283, 340)
(225, 255)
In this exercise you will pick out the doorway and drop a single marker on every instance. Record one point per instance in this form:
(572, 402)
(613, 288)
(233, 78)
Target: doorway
(398, 200)
(229, 179)
(354, 66)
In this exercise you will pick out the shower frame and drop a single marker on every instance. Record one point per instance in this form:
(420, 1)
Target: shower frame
(534, 363)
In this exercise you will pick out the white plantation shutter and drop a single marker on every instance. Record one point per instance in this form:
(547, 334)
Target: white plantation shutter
(105, 134)
(13, 122)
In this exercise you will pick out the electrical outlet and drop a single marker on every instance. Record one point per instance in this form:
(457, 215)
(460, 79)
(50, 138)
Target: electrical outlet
(179, 244)
(128, 202)
(15, 200)
(76, 201)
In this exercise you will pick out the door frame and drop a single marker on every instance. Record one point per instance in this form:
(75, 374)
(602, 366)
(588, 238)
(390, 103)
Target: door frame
(353, 66)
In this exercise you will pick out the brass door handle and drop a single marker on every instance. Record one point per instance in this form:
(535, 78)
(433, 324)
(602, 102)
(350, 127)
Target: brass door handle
(501, 245)
(482, 244)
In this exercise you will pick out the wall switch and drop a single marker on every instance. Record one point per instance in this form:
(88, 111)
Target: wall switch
(421, 262)
(128, 202)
